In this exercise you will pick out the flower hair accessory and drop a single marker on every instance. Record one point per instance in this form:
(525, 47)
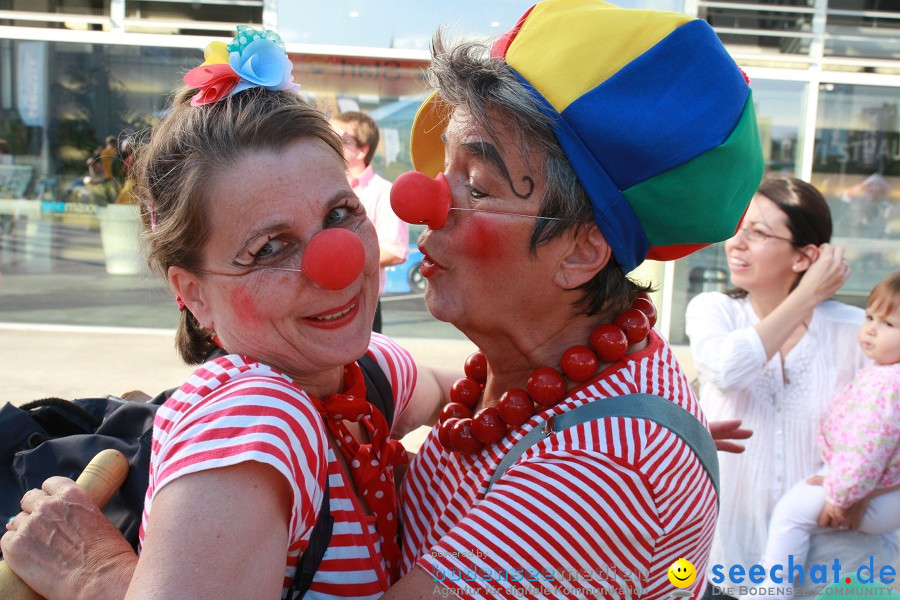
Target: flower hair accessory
(252, 59)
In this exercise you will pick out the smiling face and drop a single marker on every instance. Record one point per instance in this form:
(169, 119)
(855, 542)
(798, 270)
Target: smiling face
(354, 150)
(265, 208)
(682, 573)
(770, 263)
(481, 273)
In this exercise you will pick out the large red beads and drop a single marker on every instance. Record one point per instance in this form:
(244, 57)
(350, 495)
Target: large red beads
(444, 432)
(487, 426)
(609, 342)
(515, 407)
(476, 367)
(462, 439)
(579, 363)
(465, 391)
(546, 386)
(455, 410)
(635, 324)
(459, 431)
(646, 307)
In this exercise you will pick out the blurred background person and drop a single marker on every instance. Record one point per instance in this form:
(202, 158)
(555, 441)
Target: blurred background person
(107, 157)
(773, 352)
(5, 156)
(359, 135)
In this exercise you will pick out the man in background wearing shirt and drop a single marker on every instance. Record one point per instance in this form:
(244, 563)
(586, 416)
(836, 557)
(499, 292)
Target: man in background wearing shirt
(359, 136)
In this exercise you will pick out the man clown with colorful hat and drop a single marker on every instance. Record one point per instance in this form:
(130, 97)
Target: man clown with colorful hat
(550, 164)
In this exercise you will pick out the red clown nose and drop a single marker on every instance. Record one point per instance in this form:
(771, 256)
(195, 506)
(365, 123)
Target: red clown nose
(333, 259)
(416, 198)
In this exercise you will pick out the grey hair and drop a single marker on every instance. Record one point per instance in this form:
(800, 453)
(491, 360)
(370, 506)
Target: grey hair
(466, 76)
(490, 92)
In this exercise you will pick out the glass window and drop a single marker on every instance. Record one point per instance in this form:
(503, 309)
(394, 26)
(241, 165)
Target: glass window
(389, 90)
(857, 168)
(60, 14)
(240, 11)
(69, 251)
(863, 28)
(782, 28)
(779, 109)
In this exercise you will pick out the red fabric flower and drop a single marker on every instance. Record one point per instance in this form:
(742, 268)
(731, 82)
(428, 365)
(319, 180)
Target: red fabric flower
(214, 82)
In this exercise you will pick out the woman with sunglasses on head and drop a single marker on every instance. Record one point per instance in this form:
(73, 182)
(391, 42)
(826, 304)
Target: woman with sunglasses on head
(773, 352)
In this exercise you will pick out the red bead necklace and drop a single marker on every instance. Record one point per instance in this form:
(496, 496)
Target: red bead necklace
(461, 431)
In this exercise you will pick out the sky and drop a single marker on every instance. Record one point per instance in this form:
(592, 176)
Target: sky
(406, 24)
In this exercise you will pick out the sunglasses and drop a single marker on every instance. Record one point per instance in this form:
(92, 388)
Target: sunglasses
(349, 140)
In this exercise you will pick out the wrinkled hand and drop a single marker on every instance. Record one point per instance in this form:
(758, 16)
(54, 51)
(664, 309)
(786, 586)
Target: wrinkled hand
(723, 432)
(62, 546)
(826, 275)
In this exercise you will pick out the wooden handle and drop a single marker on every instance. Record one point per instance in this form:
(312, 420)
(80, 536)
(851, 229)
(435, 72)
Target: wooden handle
(100, 479)
(103, 476)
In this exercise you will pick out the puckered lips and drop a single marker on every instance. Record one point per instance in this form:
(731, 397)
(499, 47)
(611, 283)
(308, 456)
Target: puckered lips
(429, 266)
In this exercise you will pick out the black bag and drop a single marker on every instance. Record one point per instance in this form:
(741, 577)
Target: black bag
(59, 437)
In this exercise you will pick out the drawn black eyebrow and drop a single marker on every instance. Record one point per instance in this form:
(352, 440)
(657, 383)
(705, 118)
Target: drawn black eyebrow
(488, 152)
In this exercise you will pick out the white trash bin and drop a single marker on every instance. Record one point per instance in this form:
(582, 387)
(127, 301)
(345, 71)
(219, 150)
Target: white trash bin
(120, 231)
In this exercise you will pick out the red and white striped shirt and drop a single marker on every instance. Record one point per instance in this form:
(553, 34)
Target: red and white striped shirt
(233, 410)
(600, 510)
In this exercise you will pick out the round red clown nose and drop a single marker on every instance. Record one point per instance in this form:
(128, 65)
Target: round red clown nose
(333, 259)
(416, 198)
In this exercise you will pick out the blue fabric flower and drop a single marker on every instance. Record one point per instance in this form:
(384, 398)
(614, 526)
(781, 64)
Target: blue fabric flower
(253, 59)
(262, 63)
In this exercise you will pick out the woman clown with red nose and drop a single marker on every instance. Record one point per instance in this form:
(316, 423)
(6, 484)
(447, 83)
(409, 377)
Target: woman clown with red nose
(573, 460)
(549, 165)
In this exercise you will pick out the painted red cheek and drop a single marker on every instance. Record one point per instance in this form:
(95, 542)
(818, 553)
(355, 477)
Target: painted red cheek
(243, 305)
(481, 240)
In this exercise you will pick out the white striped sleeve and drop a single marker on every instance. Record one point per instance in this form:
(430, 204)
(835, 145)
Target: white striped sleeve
(554, 514)
(251, 419)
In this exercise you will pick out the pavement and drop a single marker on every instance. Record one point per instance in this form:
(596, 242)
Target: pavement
(64, 361)
(37, 361)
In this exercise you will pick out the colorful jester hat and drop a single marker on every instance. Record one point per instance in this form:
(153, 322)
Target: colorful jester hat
(252, 59)
(655, 117)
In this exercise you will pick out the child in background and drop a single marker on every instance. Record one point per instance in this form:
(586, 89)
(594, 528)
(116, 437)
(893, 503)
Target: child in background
(859, 487)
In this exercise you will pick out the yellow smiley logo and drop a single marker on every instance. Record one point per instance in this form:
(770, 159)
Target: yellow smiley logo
(682, 573)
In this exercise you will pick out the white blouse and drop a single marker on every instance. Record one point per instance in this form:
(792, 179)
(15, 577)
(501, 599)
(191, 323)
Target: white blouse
(782, 404)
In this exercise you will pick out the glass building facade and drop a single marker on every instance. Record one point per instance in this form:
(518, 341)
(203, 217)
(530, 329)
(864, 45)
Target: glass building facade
(825, 76)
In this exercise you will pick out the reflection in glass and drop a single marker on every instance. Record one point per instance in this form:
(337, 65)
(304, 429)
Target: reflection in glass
(857, 167)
